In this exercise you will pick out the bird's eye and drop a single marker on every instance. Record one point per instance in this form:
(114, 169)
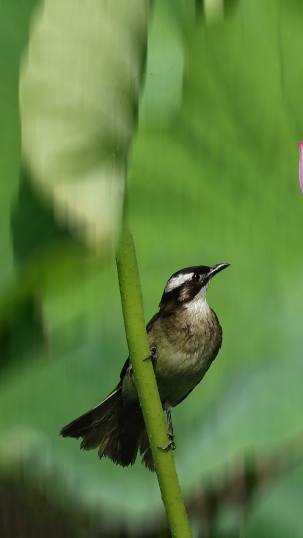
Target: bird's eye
(196, 277)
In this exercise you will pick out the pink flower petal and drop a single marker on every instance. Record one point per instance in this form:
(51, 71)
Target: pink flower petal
(300, 146)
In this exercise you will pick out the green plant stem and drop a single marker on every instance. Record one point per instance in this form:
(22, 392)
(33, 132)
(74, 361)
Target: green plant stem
(145, 380)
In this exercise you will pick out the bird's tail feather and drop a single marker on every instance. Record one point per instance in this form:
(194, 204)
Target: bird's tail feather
(117, 430)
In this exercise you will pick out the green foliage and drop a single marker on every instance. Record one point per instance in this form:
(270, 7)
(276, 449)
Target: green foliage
(218, 183)
(278, 513)
(80, 83)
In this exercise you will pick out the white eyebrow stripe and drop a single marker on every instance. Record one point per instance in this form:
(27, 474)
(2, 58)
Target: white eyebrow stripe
(177, 281)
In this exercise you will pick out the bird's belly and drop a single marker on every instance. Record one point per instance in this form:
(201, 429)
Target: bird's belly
(180, 362)
(176, 376)
(179, 372)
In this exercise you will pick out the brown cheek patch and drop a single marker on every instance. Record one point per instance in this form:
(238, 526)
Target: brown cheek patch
(187, 292)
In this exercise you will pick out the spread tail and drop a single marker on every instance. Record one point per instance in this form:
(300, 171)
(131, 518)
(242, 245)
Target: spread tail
(117, 430)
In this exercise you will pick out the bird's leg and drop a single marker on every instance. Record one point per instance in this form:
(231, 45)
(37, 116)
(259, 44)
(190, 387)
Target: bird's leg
(153, 354)
(170, 431)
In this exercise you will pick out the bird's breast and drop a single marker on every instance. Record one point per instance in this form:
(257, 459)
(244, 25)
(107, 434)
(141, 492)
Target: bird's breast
(184, 352)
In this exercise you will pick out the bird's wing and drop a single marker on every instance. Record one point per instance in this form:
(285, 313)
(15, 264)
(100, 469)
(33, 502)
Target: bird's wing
(148, 328)
(124, 369)
(151, 322)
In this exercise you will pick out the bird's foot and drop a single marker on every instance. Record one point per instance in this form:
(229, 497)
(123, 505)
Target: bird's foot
(170, 444)
(153, 354)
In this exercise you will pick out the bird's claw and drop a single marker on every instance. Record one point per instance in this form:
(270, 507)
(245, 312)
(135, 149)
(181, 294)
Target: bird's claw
(153, 355)
(170, 444)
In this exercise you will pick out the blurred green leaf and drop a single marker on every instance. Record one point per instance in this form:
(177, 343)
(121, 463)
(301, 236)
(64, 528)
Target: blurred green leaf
(21, 328)
(278, 513)
(162, 95)
(33, 226)
(79, 92)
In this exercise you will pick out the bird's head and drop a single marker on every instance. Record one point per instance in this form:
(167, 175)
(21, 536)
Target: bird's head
(189, 285)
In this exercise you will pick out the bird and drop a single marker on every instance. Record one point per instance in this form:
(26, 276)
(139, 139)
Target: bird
(184, 338)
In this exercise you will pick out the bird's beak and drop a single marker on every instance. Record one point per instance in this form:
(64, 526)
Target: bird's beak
(214, 269)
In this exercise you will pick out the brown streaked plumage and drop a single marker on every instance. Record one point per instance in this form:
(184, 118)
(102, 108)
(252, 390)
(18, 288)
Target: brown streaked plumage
(185, 337)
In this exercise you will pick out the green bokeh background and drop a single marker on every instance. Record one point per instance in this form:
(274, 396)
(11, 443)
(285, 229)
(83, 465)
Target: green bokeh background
(213, 178)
